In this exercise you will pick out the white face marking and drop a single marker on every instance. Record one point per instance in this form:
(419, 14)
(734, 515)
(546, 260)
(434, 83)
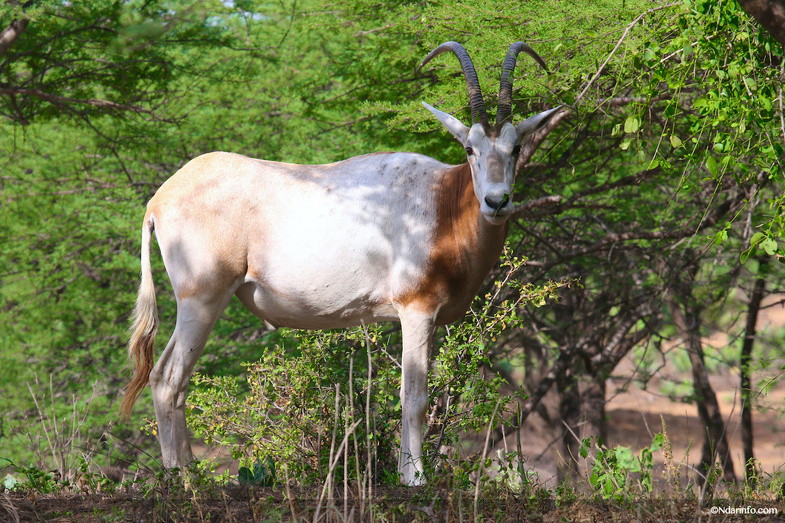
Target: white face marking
(492, 161)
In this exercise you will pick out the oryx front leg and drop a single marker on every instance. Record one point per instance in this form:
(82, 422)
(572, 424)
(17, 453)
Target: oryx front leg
(171, 374)
(417, 330)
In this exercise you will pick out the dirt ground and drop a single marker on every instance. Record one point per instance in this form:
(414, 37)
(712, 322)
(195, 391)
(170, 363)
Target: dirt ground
(421, 504)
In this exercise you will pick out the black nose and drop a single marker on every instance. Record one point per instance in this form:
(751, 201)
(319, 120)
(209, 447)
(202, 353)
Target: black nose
(496, 202)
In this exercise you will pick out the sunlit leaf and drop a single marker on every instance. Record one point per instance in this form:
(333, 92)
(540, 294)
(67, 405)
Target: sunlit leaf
(711, 166)
(632, 124)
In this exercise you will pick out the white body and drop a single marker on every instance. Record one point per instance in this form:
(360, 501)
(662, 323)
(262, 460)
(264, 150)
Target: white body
(387, 236)
(325, 246)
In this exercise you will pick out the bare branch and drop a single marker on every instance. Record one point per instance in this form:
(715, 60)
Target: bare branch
(633, 179)
(557, 369)
(57, 100)
(527, 207)
(530, 146)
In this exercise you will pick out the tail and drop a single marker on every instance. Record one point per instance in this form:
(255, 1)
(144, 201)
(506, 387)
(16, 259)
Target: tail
(145, 327)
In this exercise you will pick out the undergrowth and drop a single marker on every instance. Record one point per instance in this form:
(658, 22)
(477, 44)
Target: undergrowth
(618, 486)
(314, 428)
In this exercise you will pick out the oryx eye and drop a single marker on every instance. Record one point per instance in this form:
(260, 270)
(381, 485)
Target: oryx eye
(469, 151)
(516, 150)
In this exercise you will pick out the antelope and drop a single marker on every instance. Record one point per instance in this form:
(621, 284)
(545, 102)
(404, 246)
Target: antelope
(380, 237)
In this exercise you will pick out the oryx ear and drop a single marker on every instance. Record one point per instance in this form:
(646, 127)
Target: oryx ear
(460, 131)
(535, 122)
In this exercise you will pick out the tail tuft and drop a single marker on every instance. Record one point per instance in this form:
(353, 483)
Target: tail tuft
(144, 329)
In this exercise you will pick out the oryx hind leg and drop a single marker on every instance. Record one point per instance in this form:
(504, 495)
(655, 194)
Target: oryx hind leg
(169, 379)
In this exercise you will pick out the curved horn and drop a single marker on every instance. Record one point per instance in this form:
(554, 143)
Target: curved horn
(504, 105)
(472, 83)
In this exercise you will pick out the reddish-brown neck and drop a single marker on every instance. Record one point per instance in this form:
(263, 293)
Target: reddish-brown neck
(465, 248)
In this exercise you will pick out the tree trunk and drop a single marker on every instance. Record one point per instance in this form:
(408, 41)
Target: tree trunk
(715, 441)
(770, 14)
(758, 292)
(9, 35)
(593, 403)
(569, 414)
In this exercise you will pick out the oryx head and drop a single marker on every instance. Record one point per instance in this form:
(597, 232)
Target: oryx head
(492, 151)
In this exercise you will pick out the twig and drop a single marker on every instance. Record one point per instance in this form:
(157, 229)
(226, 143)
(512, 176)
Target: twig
(369, 31)
(429, 509)
(782, 114)
(289, 499)
(368, 468)
(328, 481)
(10, 508)
(348, 407)
(44, 424)
(481, 468)
(58, 100)
(333, 463)
(618, 44)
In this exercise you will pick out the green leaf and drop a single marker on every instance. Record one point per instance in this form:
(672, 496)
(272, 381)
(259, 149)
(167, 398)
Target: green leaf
(769, 245)
(757, 238)
(623, 457)
(245, 475)
(632, 124)
(686, 50)
(657, 442)
(711, 166)
(584, 450)
(675, 141)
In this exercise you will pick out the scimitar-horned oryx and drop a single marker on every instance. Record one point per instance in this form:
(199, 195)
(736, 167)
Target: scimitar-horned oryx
(381, 237)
